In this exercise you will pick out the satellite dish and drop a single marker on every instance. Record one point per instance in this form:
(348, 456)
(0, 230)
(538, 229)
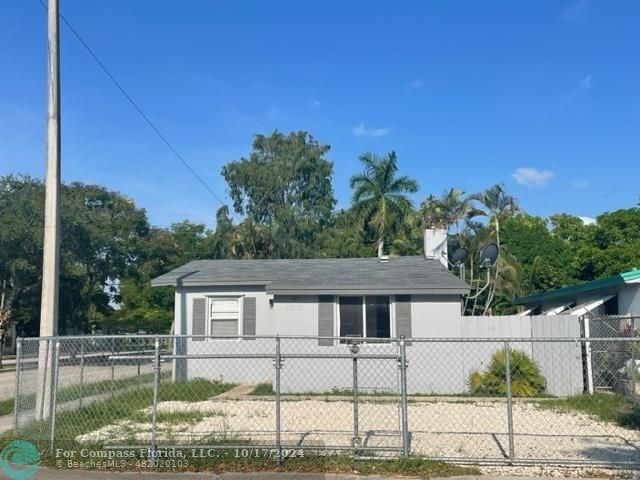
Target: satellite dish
(489, 255)
(459, 256)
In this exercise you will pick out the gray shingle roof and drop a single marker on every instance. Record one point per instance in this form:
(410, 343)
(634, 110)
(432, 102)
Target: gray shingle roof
(321, 276)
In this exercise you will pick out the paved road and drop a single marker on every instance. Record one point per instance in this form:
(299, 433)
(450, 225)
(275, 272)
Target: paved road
(69, 375)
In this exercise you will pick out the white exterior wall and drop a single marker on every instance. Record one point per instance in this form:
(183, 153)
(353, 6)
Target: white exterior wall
(436, 316)
(629, 299)
(295, 315)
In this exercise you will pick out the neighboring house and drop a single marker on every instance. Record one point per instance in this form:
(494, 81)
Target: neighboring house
(347, 297)
(615, 295)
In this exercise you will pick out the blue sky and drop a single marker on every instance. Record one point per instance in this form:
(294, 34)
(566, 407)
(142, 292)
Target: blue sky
(541, 95)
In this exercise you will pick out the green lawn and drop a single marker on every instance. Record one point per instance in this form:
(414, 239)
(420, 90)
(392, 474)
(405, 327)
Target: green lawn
(604, 406)
(124, 405)
(6, 406)
(232, 461)
(263, 389)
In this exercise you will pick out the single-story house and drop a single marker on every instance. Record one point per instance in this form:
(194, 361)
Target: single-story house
(359, 297)
(615, 295)
(413, 296)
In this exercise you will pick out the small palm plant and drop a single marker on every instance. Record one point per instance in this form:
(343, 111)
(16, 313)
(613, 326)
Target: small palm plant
(526, 379)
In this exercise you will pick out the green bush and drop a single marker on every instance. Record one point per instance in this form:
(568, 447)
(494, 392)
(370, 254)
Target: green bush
(526, 379)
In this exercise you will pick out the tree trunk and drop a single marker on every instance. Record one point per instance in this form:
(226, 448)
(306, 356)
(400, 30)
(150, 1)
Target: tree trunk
(380, 247)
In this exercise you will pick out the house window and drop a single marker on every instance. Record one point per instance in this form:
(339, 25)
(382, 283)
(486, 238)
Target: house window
(367, 316)
(224, 316)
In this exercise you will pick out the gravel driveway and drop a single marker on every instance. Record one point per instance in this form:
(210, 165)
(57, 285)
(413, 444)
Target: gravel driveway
(444, 429)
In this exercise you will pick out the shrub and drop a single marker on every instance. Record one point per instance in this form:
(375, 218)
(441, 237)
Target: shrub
(526, 379)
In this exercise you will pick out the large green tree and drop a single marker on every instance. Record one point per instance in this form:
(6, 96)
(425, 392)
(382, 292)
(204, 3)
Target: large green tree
(381, 197)
(284, 189)
(100, 244)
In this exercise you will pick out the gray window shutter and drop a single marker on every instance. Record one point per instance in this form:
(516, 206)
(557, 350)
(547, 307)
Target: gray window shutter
(199, 321)
(403, 315)
(249, 316)
(325, 320)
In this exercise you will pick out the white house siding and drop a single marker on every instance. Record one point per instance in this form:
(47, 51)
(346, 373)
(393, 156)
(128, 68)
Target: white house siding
(435, 316)
(629, 299)
(295, 315)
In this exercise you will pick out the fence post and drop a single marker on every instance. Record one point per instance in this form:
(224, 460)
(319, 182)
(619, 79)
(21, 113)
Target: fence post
(507, 368)
(139, 345)
(154, 406)
(81, 371)
(278, 365)
(356, 426)
(54, 393)
(634, 369)
(16, 404)
(113, 365)
(404, 407)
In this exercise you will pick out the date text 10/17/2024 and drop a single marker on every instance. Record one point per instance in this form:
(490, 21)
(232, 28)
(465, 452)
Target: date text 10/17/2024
(173, 453)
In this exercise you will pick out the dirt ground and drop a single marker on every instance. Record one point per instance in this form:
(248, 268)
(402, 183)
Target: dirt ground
(439, 429)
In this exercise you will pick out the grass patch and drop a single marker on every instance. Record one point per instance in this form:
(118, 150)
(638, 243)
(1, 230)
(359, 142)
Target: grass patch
(126, 405)
(263, 389)
(75, 392)
(231, 460)
(603, 406)
(6, 406)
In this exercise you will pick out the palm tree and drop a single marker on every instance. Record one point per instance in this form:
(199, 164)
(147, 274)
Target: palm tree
(380, 196)
(447, 210)
(495, 204)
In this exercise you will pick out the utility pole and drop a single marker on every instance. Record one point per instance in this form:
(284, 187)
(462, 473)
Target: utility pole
(51, 251)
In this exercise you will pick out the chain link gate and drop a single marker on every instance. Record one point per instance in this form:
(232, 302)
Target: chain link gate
(359, 408)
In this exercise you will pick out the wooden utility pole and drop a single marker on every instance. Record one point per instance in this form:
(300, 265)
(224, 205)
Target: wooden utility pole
(51, 250)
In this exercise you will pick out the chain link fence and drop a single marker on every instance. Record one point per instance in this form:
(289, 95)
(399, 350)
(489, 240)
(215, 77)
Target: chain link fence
(498, 401)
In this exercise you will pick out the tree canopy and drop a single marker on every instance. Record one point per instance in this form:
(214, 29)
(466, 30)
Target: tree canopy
(283, 199)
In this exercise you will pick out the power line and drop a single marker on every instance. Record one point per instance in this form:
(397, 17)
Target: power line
(139, 110)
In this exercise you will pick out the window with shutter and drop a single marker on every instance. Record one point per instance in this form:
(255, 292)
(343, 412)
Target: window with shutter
(224, 316)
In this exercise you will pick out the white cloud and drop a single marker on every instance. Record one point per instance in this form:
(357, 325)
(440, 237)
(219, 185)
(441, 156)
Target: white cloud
(316, 103)
(361, 131)
(579, 183)
(416, 83)
(576, 11)
(588, 220)
(532, 177)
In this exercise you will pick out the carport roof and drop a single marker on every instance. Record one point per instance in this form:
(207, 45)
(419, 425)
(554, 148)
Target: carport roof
(632, 276)
(410, 275)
